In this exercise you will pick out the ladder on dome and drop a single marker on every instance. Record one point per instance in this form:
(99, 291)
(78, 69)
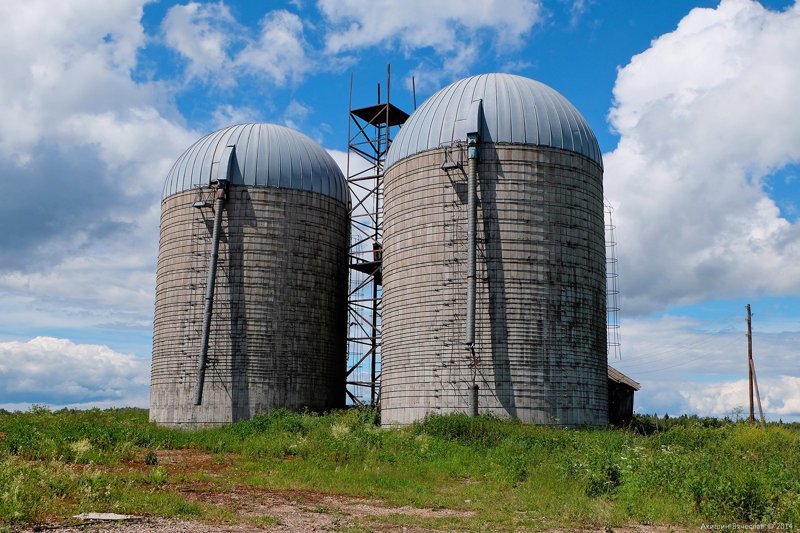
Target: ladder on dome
(370, 131)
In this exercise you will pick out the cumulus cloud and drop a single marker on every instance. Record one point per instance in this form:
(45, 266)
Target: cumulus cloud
(136, 144)
(59, 373)
(455, 32)
(430, 76)
(360, 193)
(424, 23)
(203, 34)
(687, 365)
(296, 114)
(64, 57)
(780, 397)
(218, 48)
(704, 116)
(83, 150)
(280, 52)
(226, 115)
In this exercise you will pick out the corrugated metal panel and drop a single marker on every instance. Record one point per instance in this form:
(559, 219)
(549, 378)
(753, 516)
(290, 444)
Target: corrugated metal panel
(517, 110)
(267, 155)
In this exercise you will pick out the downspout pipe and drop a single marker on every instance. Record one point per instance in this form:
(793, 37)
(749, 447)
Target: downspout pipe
(219, 204)
(472, 234)
(221, 174)
(474, 121)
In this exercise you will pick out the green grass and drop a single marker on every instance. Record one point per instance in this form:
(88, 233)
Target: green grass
(683, 471)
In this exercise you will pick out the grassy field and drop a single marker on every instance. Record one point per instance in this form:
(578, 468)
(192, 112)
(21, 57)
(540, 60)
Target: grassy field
(503, 475)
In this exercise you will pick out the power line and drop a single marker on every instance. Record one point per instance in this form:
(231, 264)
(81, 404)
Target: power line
(647, 358)
(683, 362)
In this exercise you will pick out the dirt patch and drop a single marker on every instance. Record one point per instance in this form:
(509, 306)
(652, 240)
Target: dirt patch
(272, 510)
(186, 526)
(144, 525)
(302, 510)
(191, 460)
(627, 529)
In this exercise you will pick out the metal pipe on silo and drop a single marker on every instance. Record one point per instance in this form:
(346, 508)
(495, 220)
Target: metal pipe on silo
(219, 204)
(473, 400)
(472, 233)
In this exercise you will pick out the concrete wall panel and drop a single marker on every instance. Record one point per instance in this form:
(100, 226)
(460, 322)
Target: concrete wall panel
(278, 334)
(541, 320)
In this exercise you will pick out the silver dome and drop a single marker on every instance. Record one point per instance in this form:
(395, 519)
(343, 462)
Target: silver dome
(266, 155)
(516, 110)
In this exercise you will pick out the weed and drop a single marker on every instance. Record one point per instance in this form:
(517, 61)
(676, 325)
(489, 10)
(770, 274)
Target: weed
(150, 458)
(263, 521)
(158, 476)
(603, 481)
(481, 431)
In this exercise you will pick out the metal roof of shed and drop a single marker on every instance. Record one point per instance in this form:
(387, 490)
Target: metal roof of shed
(618, 377)
(516, 110)
(265, 155)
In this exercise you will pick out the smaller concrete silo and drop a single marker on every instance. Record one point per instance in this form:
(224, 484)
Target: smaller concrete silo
(251, 299)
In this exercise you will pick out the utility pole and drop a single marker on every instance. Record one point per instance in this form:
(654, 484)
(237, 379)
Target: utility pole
(750, 362)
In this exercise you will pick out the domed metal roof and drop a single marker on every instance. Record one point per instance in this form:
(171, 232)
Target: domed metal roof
(265, 155)
(516, 110)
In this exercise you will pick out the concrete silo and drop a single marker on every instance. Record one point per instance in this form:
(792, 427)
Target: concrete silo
(251, 298)
(494, 258)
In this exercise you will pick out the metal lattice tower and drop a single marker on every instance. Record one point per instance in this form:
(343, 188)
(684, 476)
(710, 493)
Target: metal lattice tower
(369, 134)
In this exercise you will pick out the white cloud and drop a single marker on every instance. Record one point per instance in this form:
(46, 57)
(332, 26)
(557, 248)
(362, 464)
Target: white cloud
(704, 115)
(137, 143)
(295, 114)
(219, 49)
(227, 115)
(59, 372)
(414, 24)
(359, 193)
(64, 57)
(780, 397)
(357, 163)
(106, 283)
(86, 148)
(280, 52)
(693, 366)
(203, 34)
(577, 10)
(341, 159)
(428, 76)
(457, 32)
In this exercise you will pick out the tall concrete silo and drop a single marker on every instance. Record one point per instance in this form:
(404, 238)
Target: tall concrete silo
(494, 258)
(251, 300)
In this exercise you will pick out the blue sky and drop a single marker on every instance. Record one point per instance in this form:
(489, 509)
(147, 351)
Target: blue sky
(694, 105)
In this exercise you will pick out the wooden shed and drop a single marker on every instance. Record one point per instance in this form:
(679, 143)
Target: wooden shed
(620, 397)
